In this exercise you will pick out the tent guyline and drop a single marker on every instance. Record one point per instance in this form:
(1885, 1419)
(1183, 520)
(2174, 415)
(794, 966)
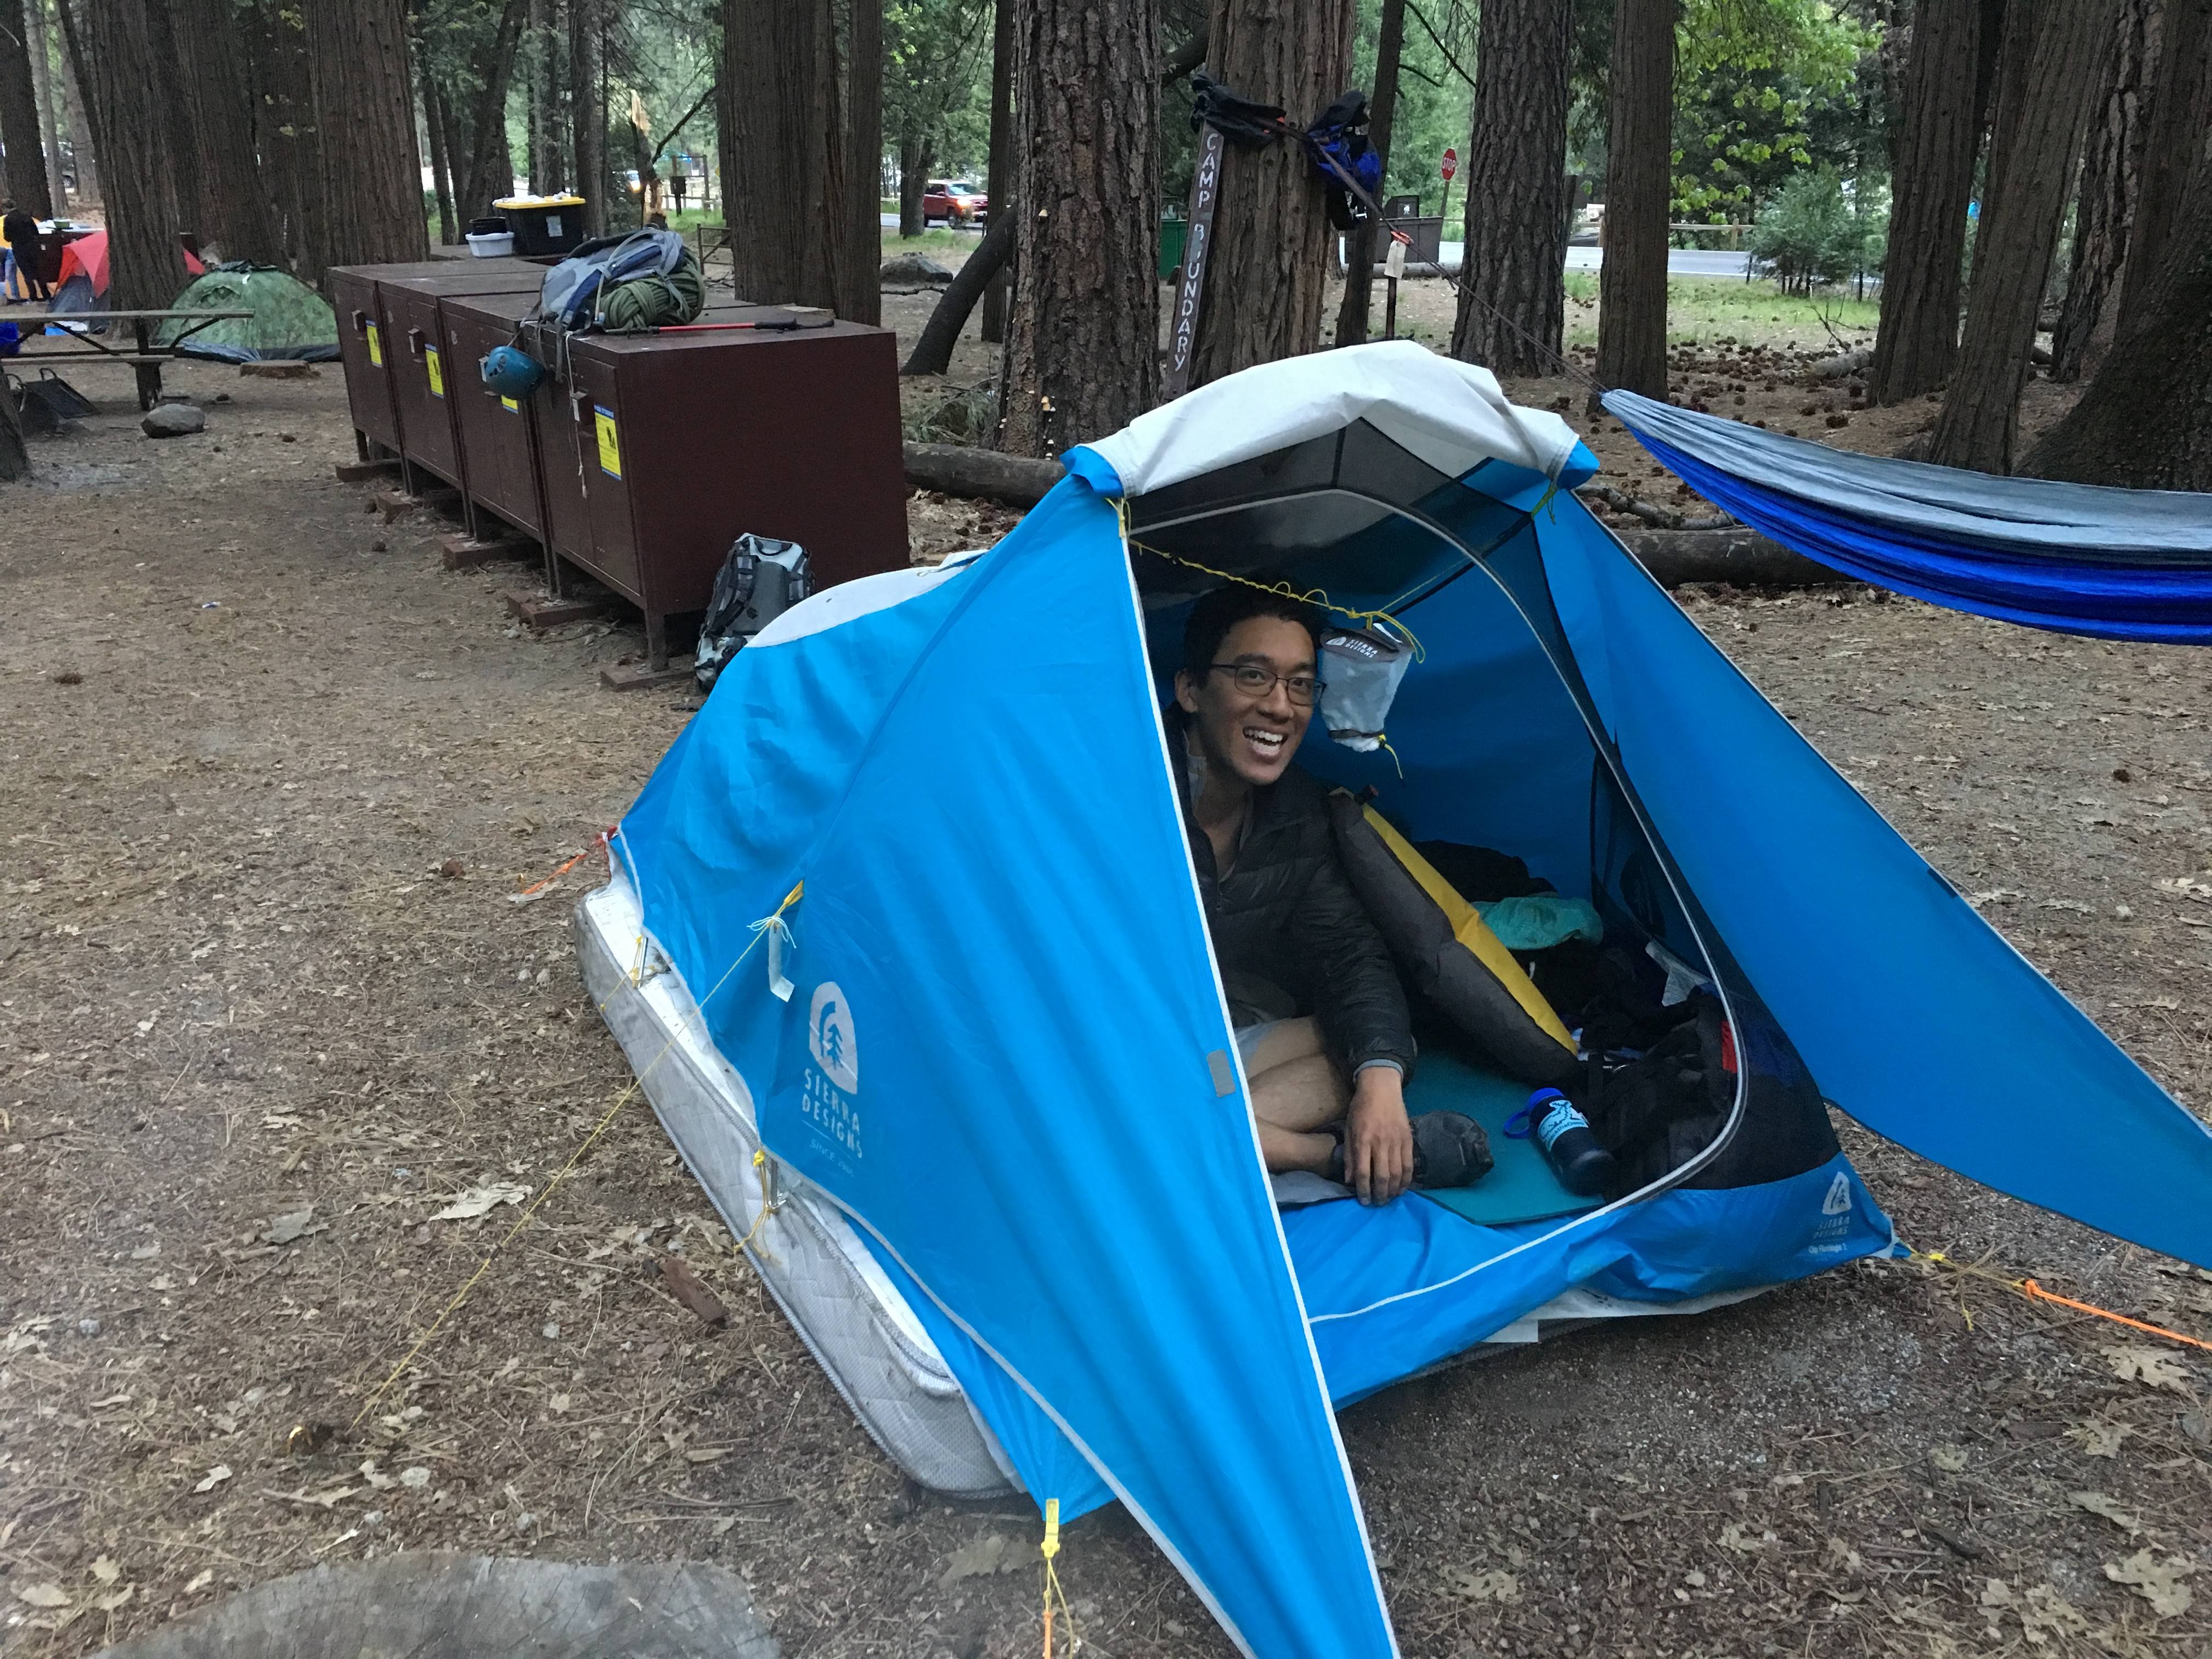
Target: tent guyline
(628, 1093)
(2028, 1290)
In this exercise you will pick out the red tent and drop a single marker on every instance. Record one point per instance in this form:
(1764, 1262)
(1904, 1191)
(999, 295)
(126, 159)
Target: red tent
(88, 254)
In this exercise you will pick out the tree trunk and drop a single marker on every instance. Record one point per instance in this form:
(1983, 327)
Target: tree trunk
(291, 140)
(915, 159)
(932, 352)
(20, 130)
(364, 102)
(779, 113)
(544, 175)
(176, 92)
(42, 86)
(1361, 245)
(2180, 110)
(2040, 115)
(2111, 167)
(860, 298)
(238, 212)
(2144, 422)
(145, 267)
(1269, 265)
(1632, 318)
(1082, 354)
(441, 171)
(486, 172)
(998, 179)
(82, 155)
(587, 107)
(14, 456)
(1918, 339)
(1516, 193)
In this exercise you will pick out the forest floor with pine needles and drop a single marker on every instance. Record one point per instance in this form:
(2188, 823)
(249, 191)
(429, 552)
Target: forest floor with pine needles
(267, 1014)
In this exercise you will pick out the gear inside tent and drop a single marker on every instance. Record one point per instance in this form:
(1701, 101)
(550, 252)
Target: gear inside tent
(905, 940)
(290, 321)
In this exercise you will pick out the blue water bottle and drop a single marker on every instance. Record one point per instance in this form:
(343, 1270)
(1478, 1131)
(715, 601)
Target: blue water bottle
(1564, 1135)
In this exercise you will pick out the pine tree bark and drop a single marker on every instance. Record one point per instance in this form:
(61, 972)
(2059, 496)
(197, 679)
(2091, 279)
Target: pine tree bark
(1516, 193)
(1362, 243)
(1082, 352)
(291, 141)
(15, 454)
(1631, 323)
(2180, 112)
(238, 214)
(486, 170)
(2111, 161)
(441, 169)
(20, 130)
(860, 290)
(82, 149)
(145, 266)
(1917, 341)
(915, 159)
(176, 92)
(998, 179)
(1273, 242)
(365, 109)
(2040, 116)
(2144, 420)
(42, 84)
(587, 107)
(788, 233)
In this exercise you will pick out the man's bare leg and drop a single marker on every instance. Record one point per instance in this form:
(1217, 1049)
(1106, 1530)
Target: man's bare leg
(1297, 1091)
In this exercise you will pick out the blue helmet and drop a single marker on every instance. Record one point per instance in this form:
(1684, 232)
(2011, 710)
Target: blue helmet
(510, 372)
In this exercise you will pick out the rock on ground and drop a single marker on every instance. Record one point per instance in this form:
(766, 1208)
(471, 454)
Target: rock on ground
(174, 421)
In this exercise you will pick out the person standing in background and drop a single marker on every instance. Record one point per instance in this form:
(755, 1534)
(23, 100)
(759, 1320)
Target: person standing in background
(27, 246)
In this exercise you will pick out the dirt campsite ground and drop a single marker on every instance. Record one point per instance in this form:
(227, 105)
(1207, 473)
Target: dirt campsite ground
(271, 780)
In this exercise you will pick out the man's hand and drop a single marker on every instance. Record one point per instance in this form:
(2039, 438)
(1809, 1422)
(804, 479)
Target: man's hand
(1378, 1138)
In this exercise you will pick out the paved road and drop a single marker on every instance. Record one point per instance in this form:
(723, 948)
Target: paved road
(1680, 261)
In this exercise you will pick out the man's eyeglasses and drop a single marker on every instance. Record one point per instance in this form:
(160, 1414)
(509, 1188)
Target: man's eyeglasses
(1257, 682)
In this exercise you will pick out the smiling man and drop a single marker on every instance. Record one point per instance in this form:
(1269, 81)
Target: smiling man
(1321, 1017)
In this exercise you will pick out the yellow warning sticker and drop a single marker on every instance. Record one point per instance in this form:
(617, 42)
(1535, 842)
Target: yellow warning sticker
(434, 365)
(510, 405)
(375, 346)
(610, 443)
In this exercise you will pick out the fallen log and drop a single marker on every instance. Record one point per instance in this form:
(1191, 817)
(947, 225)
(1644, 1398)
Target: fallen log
(979, 474)
(1739, 557)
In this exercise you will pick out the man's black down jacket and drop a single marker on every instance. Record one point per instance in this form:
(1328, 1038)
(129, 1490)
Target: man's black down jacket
(1291, 935)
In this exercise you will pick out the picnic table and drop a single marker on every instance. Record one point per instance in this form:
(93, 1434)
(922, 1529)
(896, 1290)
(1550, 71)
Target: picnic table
(148, 358)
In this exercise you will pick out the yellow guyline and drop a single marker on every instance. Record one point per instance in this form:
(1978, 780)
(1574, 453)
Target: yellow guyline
(1311, 596)
(621, 1100)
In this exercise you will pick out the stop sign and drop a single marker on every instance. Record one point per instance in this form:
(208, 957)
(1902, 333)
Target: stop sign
(1451, 164)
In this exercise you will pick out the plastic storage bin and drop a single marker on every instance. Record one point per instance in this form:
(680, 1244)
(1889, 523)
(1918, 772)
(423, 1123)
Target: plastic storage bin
(544, 224)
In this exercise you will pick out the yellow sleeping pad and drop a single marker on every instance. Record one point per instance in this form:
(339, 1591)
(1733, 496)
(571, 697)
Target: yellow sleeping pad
(1448, 952)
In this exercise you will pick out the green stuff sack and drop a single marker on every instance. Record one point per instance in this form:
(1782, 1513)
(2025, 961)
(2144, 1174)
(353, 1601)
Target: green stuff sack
(1447, 953)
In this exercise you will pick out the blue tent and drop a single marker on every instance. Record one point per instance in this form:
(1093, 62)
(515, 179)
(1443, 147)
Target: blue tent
(993, 1046)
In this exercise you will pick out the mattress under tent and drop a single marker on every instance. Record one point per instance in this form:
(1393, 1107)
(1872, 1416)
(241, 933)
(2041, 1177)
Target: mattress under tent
(906, 944)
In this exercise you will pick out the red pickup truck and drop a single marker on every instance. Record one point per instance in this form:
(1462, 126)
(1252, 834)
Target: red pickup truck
(954, 201)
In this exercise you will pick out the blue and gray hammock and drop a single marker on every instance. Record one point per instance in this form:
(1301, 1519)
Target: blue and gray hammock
(2117, 564)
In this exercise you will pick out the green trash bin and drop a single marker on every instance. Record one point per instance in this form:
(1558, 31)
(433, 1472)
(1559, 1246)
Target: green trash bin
(1174, 236)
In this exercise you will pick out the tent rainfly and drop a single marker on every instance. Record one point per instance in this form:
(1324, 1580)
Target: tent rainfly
(980, 1113)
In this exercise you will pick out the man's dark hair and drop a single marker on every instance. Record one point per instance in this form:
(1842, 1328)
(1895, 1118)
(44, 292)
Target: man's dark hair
(1218, 612)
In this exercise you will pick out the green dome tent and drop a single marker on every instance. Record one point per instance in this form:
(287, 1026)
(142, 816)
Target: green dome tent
(290, 321)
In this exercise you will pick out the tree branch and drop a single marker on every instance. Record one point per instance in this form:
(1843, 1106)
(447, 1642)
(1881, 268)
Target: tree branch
(1183, 59)
(1429, 29)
